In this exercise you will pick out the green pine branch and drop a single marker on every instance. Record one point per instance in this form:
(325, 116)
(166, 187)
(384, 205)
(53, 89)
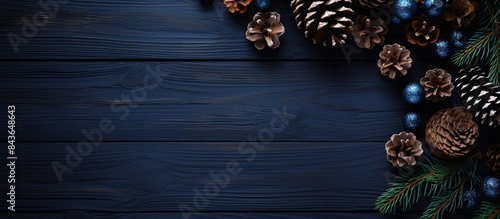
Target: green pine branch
(485, 44)
(449, 174)
(442, 180)
(488, 210)
(450, 200)
(405, 193)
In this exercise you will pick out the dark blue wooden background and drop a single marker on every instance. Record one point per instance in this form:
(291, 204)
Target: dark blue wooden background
(214, 91)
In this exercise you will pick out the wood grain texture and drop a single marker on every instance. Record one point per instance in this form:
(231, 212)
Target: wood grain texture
(207, 101)
(208, 91)
(157, 29)
(157, 177)
(248, 215)
(150, 180)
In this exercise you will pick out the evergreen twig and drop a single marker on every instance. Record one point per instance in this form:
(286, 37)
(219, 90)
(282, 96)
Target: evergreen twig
(485, 44)
(405, 193)
(488, 210)
(444, 181)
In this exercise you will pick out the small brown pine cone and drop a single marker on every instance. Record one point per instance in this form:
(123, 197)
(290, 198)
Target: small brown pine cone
(451, 133)
(461, 12)
(265, 29)
(492, 158)
(368, 33)
(237, 5)
(394, 61)
(437, 84)
(421, 31)
(374, 3)
(403, 149)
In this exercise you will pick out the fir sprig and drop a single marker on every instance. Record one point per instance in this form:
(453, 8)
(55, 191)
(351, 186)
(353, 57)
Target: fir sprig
(444, 181)
(405, 193)
(488, 210)
(485, 44)
(449, 174)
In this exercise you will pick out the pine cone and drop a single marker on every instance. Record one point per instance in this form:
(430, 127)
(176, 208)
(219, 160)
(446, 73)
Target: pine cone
(394, 61)
(265, 29)
(461, 12)
(403, 149)
(367, 33)
(480, 95)
(324, 21)
(493, 158)
(374, 3)
(421, 31)
(237, 5)
(451, 133)
(437, 84)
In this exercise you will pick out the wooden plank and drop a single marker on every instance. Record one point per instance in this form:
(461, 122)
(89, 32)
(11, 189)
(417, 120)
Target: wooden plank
(248, 215)
(157, 177)
(154, 29)
(207, 101)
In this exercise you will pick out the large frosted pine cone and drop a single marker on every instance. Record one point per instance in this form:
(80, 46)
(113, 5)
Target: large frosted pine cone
(325, 21)
(481, 96)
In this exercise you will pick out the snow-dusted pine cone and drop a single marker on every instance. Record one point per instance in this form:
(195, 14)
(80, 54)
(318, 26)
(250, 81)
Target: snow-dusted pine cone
(325, 21)
(480, 95)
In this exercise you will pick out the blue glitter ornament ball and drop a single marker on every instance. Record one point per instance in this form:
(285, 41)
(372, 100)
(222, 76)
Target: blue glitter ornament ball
(414, 93)
(405, 9)
(491, 187)
(396, 20)
(471, 198)
(433, 8)
(263, 4)
(411, 121)
(458, 38)
(443, 48)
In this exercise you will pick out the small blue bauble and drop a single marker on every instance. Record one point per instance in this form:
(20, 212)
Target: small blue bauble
(443, 48)
(491, 187)
(433, 8)
(458, 38)
(471, 198)
(411, 121)
(414, 93)
(263, 4)
(405, 9)
(396, 20)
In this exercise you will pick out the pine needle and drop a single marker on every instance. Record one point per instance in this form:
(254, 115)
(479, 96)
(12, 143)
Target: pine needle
(405, 193)
(488, 210)
(443, 180)
(485, 44)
